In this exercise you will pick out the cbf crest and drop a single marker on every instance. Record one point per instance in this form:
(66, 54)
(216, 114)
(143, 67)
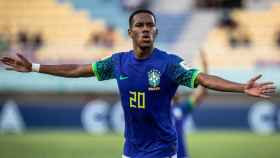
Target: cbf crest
(154, 79)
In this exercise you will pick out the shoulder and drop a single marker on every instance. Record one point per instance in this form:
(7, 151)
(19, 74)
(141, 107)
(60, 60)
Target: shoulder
(174, 58)
(121, 55)
(169, 56)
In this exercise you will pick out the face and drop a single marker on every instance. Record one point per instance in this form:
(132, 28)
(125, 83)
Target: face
(143, 30)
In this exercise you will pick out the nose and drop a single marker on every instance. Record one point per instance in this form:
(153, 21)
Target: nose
(146, 28)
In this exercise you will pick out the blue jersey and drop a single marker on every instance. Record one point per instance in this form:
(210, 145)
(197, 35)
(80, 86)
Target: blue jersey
(181, 112)
(146, 88)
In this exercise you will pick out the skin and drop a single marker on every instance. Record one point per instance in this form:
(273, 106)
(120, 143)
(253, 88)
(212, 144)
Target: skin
(143, 33)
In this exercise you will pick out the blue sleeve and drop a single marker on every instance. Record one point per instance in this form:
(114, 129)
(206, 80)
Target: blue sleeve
(182, 74)
(104, 69)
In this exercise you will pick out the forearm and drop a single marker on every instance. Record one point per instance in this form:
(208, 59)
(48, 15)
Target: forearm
(219, 84)
(67, 70)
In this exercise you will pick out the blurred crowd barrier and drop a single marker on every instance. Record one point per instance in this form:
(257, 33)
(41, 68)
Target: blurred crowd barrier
(103, 115)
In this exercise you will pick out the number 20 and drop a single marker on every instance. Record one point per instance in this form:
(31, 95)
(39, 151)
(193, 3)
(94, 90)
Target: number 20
(137, 100)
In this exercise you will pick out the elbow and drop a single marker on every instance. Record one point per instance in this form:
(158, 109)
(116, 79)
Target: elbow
(202, 80)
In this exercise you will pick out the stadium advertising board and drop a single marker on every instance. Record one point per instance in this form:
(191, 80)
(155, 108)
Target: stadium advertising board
(98, 116)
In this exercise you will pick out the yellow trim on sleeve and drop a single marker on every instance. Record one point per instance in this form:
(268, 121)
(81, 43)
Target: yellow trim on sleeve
(94, 68)
(194, 77)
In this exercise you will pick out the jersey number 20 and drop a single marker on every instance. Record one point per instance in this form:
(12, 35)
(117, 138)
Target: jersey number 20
(137, 100)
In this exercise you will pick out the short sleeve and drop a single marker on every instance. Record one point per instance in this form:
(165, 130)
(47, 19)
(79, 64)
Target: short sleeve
(182, 74)
(104, 69)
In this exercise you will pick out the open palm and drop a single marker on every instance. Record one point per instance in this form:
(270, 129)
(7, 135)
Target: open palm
(20, 64)
(263, 90)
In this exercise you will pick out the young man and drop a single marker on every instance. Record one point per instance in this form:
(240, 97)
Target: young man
(147, 79)
(183, 108)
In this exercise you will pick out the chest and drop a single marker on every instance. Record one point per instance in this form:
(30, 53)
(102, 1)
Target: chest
(142, 76)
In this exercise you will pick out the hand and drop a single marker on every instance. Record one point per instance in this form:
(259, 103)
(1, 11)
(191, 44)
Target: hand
(21, 64)
(263, 90)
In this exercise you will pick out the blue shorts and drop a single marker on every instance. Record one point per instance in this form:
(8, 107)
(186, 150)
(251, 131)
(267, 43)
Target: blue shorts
(174, 156)
(156, 150)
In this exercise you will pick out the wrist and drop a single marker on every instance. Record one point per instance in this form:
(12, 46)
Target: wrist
(35, 67)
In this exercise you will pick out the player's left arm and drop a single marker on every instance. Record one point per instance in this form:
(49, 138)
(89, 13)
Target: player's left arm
(190, 77)
(252, 88)
(216, 83)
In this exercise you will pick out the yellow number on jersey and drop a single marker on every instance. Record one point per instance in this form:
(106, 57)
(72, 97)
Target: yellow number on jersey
(137, 100)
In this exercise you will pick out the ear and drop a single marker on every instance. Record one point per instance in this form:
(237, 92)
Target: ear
(156, 31)
(129, 32)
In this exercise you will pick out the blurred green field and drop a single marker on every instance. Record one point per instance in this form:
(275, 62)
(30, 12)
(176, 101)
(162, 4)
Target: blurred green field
(211, 144)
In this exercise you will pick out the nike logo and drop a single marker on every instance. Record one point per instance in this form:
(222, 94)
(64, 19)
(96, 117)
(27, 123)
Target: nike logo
(122, 77)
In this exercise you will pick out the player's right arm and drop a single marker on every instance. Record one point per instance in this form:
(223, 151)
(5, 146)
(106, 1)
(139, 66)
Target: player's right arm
(21, 64)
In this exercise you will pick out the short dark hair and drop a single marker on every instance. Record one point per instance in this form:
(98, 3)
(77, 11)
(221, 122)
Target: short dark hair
(140, 11)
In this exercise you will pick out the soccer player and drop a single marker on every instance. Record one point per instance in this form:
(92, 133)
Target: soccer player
(147, 79)
(183, 108)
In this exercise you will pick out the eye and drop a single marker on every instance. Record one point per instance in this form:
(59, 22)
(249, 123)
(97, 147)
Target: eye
(151, 24)
(138, 25)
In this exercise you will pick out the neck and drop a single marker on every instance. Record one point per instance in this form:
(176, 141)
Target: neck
(143, 53)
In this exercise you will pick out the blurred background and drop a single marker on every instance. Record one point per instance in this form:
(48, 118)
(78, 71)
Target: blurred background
(46, 116)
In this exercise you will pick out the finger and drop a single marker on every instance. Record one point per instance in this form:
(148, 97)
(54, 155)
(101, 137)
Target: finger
(4, 57)
(266, 83)
(255, 78)
(268, 87)
(10, 69)
(269, 91)
(264, 96)
(12, 63)
(22, 57)
(9, 63)
(7, 59)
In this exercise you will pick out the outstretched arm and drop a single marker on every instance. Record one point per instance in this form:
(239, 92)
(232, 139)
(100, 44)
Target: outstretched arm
(251, 88)
(21, 64)
(68, 70)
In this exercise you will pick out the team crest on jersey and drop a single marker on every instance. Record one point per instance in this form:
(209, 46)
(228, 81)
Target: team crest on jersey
(154, 80)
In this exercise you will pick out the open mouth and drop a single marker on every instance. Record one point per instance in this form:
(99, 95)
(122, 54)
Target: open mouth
(146, 38)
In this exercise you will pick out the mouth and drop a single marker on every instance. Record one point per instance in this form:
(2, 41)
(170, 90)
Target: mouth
(146, 38)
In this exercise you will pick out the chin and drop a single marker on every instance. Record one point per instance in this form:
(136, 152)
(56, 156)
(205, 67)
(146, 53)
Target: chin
(146, 46)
